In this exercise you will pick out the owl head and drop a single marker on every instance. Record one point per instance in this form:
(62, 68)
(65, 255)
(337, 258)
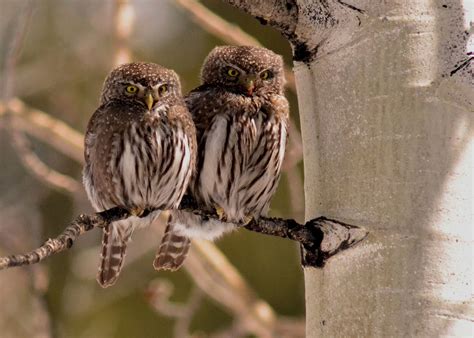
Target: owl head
(146, 83)
(244, 70)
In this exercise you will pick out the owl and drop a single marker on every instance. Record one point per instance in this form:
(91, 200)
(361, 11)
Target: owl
(241, 117)
(139, 153)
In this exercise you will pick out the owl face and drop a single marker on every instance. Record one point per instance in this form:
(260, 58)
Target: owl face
(148, 84)
(244, 70)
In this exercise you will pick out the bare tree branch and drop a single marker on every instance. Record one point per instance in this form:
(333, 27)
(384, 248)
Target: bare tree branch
(321, 237)
(64, 241)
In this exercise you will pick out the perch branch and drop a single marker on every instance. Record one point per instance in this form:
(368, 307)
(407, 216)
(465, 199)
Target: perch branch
(321, 237)
(66, 239)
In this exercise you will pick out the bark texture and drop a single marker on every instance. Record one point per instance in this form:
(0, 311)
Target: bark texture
(386, 95)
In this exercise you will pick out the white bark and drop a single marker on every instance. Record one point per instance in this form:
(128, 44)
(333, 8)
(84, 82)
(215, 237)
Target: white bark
(388, 144)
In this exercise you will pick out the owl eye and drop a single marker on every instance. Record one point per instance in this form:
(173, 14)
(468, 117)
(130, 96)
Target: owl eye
(232, 72)
(162, 90)
(265, 75)
(131, 89)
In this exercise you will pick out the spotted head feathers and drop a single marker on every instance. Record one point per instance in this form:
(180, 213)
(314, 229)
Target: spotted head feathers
(144, 82)
(244, 69)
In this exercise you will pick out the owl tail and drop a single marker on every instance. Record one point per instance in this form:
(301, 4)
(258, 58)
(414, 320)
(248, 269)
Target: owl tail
(114, 245)
(173, 250)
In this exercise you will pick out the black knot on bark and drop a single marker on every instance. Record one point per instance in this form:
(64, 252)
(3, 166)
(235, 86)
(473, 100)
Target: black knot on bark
(301, 52)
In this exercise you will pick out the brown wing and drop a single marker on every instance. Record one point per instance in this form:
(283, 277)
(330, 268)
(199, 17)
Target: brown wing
(103, 133)
(174, 247)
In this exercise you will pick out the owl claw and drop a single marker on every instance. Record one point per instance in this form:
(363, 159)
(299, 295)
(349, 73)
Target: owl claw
(247, 220)
(136, 212)
(220, 213)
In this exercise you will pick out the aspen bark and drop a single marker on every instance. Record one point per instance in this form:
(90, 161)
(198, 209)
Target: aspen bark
(386, 100)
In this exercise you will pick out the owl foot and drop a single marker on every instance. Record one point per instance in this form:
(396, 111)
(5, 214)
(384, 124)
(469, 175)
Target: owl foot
(247, 220)
(136, 212)
(220, 213)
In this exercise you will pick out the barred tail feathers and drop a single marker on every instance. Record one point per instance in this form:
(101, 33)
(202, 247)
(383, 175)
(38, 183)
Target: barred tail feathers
(114, 245)
(173, 250)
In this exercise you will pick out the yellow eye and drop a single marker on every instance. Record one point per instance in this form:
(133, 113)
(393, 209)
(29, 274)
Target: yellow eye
(232, 72)
(265, 75)
(131, 89)
(162, 90)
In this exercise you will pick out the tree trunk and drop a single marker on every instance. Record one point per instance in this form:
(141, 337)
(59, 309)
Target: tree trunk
(386, 97)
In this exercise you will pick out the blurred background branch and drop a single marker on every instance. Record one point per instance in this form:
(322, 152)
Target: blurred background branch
(124, 19)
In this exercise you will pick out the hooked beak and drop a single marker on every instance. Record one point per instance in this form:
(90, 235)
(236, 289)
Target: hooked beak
(249, 85)
(149, 100)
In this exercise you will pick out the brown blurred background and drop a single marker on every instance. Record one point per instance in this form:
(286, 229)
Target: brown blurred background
(67, 48)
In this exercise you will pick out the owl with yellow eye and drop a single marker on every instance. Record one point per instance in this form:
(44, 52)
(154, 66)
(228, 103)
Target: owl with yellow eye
(241, 117)
(139, 153)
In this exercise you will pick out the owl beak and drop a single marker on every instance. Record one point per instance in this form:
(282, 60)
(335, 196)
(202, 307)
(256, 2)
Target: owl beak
(248, 83)
(249, 86)
(149, 100)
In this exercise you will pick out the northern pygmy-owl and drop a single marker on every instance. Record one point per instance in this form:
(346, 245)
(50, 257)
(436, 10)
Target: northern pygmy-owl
(241, 118)
(139, 152)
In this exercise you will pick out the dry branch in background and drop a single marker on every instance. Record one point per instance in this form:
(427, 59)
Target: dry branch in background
(18, 140)
(123, 26)
(38, 168)
(45, 128)
(158, 295)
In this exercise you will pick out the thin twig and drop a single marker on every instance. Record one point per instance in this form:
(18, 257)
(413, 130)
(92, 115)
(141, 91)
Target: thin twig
(66, 239)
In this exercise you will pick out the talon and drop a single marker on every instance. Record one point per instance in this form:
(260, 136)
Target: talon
(220, 213)
(247, 220)
(136, 212)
